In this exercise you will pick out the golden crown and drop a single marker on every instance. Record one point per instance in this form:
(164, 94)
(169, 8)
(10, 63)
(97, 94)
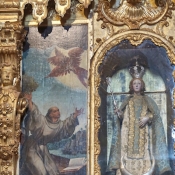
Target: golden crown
(137, 71)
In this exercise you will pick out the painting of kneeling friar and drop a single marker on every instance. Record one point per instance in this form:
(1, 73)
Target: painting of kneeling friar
(45, 129)
(54, 82)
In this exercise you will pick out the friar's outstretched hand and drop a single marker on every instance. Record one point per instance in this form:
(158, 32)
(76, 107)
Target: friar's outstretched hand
(78, 112)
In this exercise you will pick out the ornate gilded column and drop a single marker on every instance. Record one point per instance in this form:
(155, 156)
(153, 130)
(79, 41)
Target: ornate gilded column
(11, 105)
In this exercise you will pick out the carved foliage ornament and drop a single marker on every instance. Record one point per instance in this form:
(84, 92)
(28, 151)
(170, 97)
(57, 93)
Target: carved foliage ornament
(135, 37)
(135, 13)
(40, 7)
(12, 35)
(9, 4)
(11, 109)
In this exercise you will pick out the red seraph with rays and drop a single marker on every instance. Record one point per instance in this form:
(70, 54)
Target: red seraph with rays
(66, 64)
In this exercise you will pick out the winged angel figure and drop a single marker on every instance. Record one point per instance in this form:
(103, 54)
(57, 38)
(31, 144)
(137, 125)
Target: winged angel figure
(65, 64)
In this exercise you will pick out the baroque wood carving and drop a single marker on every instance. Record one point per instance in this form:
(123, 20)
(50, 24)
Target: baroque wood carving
(135, 37)
(11, 105)
(139, 16)
(40, 11)
(131, 13)
(135, 13)
(9, 4)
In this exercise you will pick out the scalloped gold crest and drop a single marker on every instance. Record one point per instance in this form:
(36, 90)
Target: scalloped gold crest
(134, 15)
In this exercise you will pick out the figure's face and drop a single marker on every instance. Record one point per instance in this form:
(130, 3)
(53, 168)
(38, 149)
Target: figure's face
(7, 77)
(137, 85)
(55, 114)
(28, 96)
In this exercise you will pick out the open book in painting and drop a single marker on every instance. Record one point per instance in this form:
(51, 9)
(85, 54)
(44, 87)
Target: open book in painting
(75, 164)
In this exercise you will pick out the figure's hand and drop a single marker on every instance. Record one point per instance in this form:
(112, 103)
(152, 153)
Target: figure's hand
(78, 112)
(143, 121)
(118, 112)
(28, 96)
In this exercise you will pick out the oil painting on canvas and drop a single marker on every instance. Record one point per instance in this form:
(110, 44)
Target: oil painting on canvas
(55, 84)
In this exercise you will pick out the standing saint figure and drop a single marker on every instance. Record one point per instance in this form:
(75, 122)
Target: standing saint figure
(41, 131)
(138, 142)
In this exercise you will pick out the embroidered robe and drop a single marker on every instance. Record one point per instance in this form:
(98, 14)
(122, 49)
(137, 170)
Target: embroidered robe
(135, 146)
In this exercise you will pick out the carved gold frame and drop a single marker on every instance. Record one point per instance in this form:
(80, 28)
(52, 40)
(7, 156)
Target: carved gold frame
(13, 45)
(12, 35)
(135, 37)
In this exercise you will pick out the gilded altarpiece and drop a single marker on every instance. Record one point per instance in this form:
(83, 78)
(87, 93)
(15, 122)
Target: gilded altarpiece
(139, 35)
(20, 79)
(12, 104)
(120, 36)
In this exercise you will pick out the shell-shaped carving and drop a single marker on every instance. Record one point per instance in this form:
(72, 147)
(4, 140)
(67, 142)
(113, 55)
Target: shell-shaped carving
(142, 12)
(139, 12)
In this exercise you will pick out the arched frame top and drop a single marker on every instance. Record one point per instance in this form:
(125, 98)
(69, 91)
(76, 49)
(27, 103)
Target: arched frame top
(135, 37)
(40, 10)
